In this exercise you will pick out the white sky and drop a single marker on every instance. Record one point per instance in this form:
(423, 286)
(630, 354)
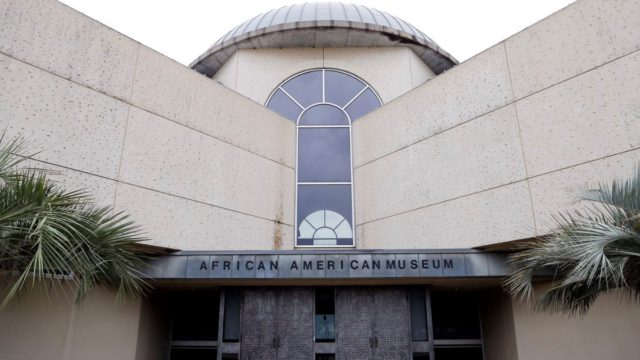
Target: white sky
(184, 29)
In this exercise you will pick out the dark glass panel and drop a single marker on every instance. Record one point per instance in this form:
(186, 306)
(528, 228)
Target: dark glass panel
(195, 317)
(231, 332)
(284, 106)
(324, 215)
(193, 354)
(324, 155)
(324, 115)
(305, 88)
(325, 314)
(420, 356)
(458, 353)
(325, 357)
(340, 88)
(364, 104)
(455, 316)
(418, 305)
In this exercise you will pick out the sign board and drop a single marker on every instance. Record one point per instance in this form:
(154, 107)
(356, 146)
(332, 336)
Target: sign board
(301, 264)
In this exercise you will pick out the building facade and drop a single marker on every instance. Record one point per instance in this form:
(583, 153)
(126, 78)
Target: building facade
(325, 181)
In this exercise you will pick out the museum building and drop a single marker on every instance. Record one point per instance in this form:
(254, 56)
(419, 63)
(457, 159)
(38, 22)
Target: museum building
(325, 181)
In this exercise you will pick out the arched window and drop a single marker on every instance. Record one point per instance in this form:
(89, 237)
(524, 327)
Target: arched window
(323, 104)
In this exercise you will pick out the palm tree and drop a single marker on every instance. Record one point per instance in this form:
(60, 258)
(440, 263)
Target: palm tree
(592, 251)
(51, 236)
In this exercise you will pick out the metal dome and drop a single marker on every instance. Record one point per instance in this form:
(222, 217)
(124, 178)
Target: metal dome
(323, 25)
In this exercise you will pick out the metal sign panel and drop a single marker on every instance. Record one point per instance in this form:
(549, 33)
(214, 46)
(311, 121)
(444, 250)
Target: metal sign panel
(314, 265)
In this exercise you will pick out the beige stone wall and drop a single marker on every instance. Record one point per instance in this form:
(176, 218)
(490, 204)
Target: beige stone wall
(484, 152)
(60, 330)
(609, 331)
(390, 71)
(198, 165)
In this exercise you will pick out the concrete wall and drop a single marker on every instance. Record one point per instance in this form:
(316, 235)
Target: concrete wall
(484, 152)
(609, 331)
(391, 71)
(61, 330)
(198, 165)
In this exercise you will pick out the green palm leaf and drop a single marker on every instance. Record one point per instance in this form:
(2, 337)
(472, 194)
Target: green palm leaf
(50, 234)
(593, 251)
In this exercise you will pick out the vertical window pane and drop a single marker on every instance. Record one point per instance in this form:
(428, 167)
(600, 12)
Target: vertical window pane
(324, 155)
(284, 106)
(418, 305)
(305, 88)
(324, 215)
(455, 316)
(232, 302)
(195, 317)
(340, 88)
(325, 314)
(364, 104)
(324, 115)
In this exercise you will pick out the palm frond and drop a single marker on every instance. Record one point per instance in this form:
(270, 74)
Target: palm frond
(49, 233)
(594, 250)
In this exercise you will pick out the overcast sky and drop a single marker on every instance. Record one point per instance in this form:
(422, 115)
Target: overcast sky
(184, 29)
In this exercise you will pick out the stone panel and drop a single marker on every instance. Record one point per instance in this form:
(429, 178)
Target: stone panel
(227, 73)
(467, 91)
(493, 216)
(72, 125)
(588, 117)
(178, 223)
(59, 39)
(386, 69)
(165, 156)
(550, 192)
(576, 39)
(178, 93)
(478, 155)
(261, 71)
(101, 190)
(420, 72)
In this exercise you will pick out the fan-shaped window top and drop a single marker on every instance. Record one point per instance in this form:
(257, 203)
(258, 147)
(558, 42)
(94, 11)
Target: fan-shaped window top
(323, 104)
(325, 227)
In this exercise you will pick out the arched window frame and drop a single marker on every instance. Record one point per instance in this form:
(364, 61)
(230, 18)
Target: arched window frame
(349, 126)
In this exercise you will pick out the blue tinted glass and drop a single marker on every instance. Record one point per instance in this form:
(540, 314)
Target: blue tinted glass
(323, 155)
(341, 88)
(306, 88)
(284, 106)
(364, 104)
(324, 215)
(324, 115)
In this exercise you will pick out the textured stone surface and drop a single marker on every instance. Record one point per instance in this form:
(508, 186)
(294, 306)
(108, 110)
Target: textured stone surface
(165, 156)
(387, 70)
(473, 88)
(227, 73)
(420, 72)
(261, 71)
(585, 118)
(493, 216)
(101, 190)
(550, 192)
(56, 38)
(171, 90)
(178, 223)
(481, 154)
(578, 38)
(72, 125)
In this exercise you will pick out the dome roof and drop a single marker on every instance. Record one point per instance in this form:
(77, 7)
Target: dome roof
(323, 25)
